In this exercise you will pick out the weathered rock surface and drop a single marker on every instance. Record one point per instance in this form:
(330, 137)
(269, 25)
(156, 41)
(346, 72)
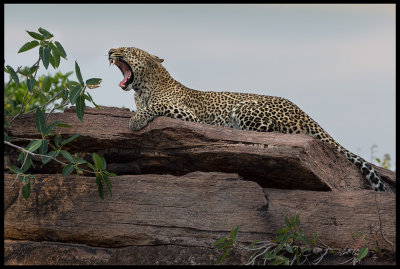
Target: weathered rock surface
(170, 146)
(162, 212)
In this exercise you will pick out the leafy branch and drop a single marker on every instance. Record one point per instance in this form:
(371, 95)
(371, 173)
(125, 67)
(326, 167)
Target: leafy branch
(289, 247)
(24, 84)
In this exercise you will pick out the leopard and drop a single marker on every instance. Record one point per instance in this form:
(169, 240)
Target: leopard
(157, 93)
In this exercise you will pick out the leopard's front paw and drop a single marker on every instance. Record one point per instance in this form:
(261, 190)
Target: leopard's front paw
(136, 124)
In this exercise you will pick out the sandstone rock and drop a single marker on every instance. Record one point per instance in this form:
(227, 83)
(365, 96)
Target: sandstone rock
(180, 187)
(170, 146)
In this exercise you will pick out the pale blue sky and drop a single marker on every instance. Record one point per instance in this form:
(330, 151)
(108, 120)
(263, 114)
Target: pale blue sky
(336, 62)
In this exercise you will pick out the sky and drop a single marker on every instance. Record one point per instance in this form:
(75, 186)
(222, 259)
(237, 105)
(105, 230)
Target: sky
(336, 62)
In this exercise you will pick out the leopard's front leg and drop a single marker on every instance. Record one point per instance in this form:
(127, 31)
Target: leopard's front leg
(144, 116)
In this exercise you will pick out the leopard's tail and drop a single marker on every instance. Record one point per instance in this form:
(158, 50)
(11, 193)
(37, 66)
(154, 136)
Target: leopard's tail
(366, 168)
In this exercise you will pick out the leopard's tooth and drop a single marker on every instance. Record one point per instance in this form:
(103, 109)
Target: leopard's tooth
(111, 62)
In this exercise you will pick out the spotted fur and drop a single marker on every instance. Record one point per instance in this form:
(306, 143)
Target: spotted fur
(158, 94)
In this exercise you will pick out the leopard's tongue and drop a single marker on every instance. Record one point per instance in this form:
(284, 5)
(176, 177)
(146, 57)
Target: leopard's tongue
(127, 74)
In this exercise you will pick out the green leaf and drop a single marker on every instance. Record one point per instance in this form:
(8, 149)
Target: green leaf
(71, 84)
(52, 61)
(32, 69)
(27, 164)
(280, 238)
(44, 147)
(57, 59)
(52, 153)
(67, 155)
(110, 174)
(287, 222)
(291, 221)
(302, 237)
(91, 166)
(284, 230)
(53, 47)
(314, 239)
(80, 161)
(269, 256)
(90, 99)
(234, 232)
(46, 84)
(40, 121)
(297, 220)
(13, 74)
(278, 248)
(362, 254)
(26, 190)
(80, 107)
(67, 169)
(99, 186)
(28, 46)
(30, 83)
(46, 57)
(74, 93)
(16, 170)
(57, 140)
(36, 35)
(34, 145)
(61, 50)
(41, 52)
(21, 178)
(107, 182)
(289, 248)
(46, 34)
(93, 83)
(78, 73)
(97, 161)
(220, 241)
(104, 162)
(73, 137)
(227, 244)
(223, 256)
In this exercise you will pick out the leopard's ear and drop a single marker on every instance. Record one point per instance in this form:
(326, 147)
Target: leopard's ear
(156, 59)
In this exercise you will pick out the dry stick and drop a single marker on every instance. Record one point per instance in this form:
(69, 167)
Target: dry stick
(380, 224)
(48, 102)
(22, 108)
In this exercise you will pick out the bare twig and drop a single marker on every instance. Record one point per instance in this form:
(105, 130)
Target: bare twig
(48, 102)
(66, 102)
(347, 261)
(22, 108)
(318, 260)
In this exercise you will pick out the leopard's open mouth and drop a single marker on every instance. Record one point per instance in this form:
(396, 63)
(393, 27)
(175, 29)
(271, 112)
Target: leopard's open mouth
(126, 71)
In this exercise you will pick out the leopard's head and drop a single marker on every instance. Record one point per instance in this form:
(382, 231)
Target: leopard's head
(136, 65)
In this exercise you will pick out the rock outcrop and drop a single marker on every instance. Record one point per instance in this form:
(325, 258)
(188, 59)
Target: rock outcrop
(180, 187)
